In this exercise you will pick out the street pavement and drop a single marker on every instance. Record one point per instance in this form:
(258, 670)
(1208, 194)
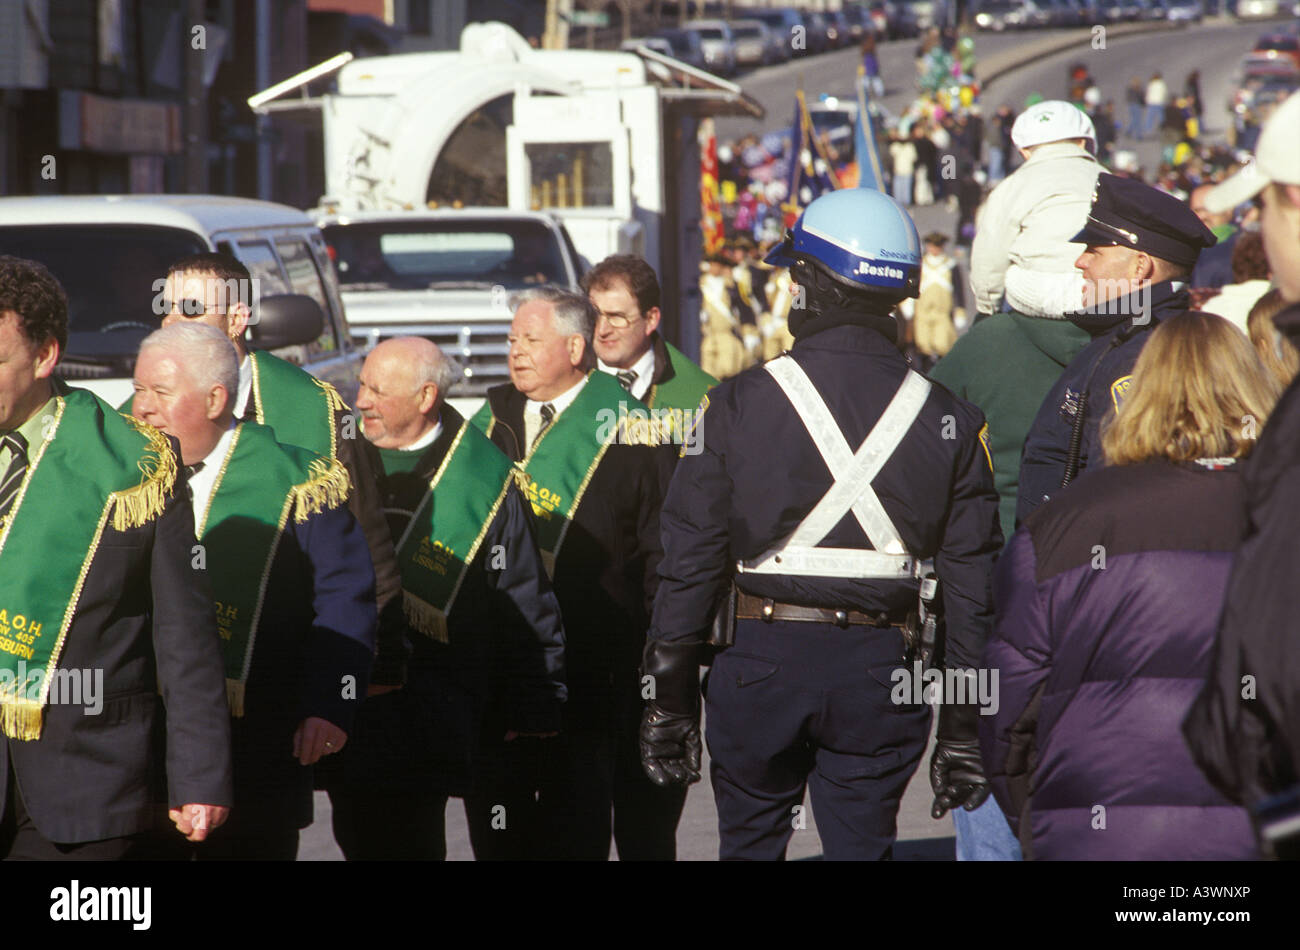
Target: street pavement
(1218, 48)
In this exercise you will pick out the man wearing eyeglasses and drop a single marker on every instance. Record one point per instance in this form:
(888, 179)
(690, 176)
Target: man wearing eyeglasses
(216, 289)
(1140, 247)
(625, 292)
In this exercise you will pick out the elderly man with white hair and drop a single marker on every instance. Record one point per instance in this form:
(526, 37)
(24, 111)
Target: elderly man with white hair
(291, 579)
(484, 637)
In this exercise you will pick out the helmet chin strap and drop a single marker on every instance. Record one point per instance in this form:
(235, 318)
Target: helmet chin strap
(823, 294)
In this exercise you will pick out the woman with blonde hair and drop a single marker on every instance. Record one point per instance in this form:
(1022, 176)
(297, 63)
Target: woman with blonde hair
(1276, 352)
(1107, 601)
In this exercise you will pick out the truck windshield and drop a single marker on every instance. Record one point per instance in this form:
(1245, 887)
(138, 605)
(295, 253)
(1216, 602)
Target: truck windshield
(108, 272)
(396, 255)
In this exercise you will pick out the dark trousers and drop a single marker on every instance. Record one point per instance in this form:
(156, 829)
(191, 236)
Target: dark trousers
(563, 798)
(248, 839)
(795, 705)
(21, 841)
(402, 824)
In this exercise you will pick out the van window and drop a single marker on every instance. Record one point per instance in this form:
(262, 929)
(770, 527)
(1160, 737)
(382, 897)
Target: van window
(109, 273)
(305, 279)
(263, 267)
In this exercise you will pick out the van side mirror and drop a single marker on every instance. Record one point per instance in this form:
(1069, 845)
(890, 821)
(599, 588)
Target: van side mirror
(285, 320)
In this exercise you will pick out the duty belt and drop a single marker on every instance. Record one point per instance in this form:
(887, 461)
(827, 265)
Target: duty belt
(749, 607)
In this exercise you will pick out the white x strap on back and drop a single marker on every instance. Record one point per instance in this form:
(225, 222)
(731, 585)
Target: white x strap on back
(851, 491)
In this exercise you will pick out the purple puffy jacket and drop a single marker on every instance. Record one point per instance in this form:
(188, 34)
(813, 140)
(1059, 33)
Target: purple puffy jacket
(1108, 599)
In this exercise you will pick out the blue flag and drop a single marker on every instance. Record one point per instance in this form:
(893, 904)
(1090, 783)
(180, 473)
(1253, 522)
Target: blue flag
(864, 142)
(810, 174)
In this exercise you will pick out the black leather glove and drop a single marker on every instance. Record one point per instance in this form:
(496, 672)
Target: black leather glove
(956, 771)
(670, 726)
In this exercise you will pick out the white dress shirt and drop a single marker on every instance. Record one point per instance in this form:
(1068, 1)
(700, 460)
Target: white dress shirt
(424, 441)
(202, 482)
(644, 369)
(245, 387)
(533, 412)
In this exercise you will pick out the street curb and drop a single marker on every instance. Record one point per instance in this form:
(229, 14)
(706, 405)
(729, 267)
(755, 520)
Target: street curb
(1002, 63)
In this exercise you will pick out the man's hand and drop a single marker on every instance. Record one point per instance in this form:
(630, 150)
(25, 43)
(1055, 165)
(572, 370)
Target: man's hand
(195, 822)
(670, 747)
(315, 738)
(956, 770)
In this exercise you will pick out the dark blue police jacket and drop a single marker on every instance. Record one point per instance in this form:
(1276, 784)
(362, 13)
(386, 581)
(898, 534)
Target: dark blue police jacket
(757, 474)
(1105, 368)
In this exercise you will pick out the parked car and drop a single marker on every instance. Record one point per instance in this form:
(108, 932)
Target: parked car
(859, 22)
(1035, 14)
(718, 44)
(999, 15)
(1185, 11)
(818, 35)
(111, 254)
(686, 47)
(838, 29)
(446, 275)
(752, 48)
(785, 24)
(1257, 9)
(1280, 46)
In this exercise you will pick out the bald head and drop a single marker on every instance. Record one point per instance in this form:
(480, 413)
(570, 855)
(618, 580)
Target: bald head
(403, 383)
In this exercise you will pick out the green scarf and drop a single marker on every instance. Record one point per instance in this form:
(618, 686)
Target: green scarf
(93, 464)
(260, 483)
(448, 526)
(557, 470)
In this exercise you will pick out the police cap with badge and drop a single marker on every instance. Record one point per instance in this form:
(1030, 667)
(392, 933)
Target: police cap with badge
(1128, 213)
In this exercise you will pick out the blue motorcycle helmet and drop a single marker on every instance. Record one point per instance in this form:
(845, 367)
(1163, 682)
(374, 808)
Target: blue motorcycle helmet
(862, 239)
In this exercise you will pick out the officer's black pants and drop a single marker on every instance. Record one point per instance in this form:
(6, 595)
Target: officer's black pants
(795, 704)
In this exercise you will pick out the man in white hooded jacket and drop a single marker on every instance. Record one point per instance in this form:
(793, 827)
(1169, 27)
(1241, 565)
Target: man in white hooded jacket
(1022, 243)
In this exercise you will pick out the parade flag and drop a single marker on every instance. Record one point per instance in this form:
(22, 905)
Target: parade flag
(811, 173)
(864, 141)
(710, 194)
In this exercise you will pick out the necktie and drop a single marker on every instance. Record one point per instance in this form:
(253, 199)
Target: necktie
(13, 478)
(190, 472)
(626, 377)
(547, 414)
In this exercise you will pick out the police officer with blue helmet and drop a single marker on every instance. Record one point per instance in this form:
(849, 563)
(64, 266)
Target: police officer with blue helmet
(816, 492)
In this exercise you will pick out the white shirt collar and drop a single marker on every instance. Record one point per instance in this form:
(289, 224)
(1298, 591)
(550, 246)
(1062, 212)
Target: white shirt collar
(245, 387)
(560, 402)
(424, 441)
(202, 482)
(644, 369)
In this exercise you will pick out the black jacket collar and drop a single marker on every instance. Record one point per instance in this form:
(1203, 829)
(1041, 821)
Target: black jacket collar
(839, 329)
(663, 364)
(1149, 304)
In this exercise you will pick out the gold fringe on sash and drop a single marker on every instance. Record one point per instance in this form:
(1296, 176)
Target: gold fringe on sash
(328, 488)
(235, 698)
(424, 617)
(332, 396)
(134, 507)
(20, 718)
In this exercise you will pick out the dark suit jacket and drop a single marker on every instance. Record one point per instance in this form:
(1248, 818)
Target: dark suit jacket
(145, 618)
(502, 667)
(607, 572)
(317, 628)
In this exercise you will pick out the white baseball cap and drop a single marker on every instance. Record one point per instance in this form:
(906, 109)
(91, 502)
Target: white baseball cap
(1052, 120)
(1277, 159)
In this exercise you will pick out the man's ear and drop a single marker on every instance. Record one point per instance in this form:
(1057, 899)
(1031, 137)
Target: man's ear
(577, 351)
(238, 317)
(47, 357)
(652, 318)
(428, 398)
(216, 402)
(1144, 266)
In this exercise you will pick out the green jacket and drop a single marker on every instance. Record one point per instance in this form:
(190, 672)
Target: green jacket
(1005, 365)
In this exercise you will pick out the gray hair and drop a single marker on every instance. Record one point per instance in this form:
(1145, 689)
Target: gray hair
(443, 371)
(206, 353)
(574, 312)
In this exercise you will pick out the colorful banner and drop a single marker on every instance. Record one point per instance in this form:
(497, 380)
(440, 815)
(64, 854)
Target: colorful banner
(811, 172)
(710, 195)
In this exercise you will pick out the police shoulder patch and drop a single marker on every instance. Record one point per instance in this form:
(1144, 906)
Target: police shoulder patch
(1119, 389)
(984, 441)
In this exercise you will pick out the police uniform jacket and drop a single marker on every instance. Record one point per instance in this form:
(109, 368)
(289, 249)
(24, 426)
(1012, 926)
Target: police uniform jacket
(1104, 367)
(759, 474)
(502, 667)
(1248, 743)
(607, 572)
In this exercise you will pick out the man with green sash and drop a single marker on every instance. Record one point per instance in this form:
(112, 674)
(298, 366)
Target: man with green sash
(102, 621)
(216, 289)
(625, 292)
(486, 643)
(596, 481)
(291, 579)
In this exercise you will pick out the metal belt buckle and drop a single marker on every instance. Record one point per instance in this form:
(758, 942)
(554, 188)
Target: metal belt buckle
(842, 619)
(769, 608)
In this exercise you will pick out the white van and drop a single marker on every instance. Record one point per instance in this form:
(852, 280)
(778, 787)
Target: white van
(108, 252)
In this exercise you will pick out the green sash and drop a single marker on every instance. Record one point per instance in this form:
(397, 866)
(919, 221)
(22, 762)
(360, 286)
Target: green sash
(93, 463)
(448, 526)
(260, 483)
(292, 402)
(556, 472)
(687, 387)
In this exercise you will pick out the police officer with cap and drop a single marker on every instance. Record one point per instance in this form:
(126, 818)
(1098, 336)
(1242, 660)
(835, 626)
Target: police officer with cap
(1141, 246)
(826, 481)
